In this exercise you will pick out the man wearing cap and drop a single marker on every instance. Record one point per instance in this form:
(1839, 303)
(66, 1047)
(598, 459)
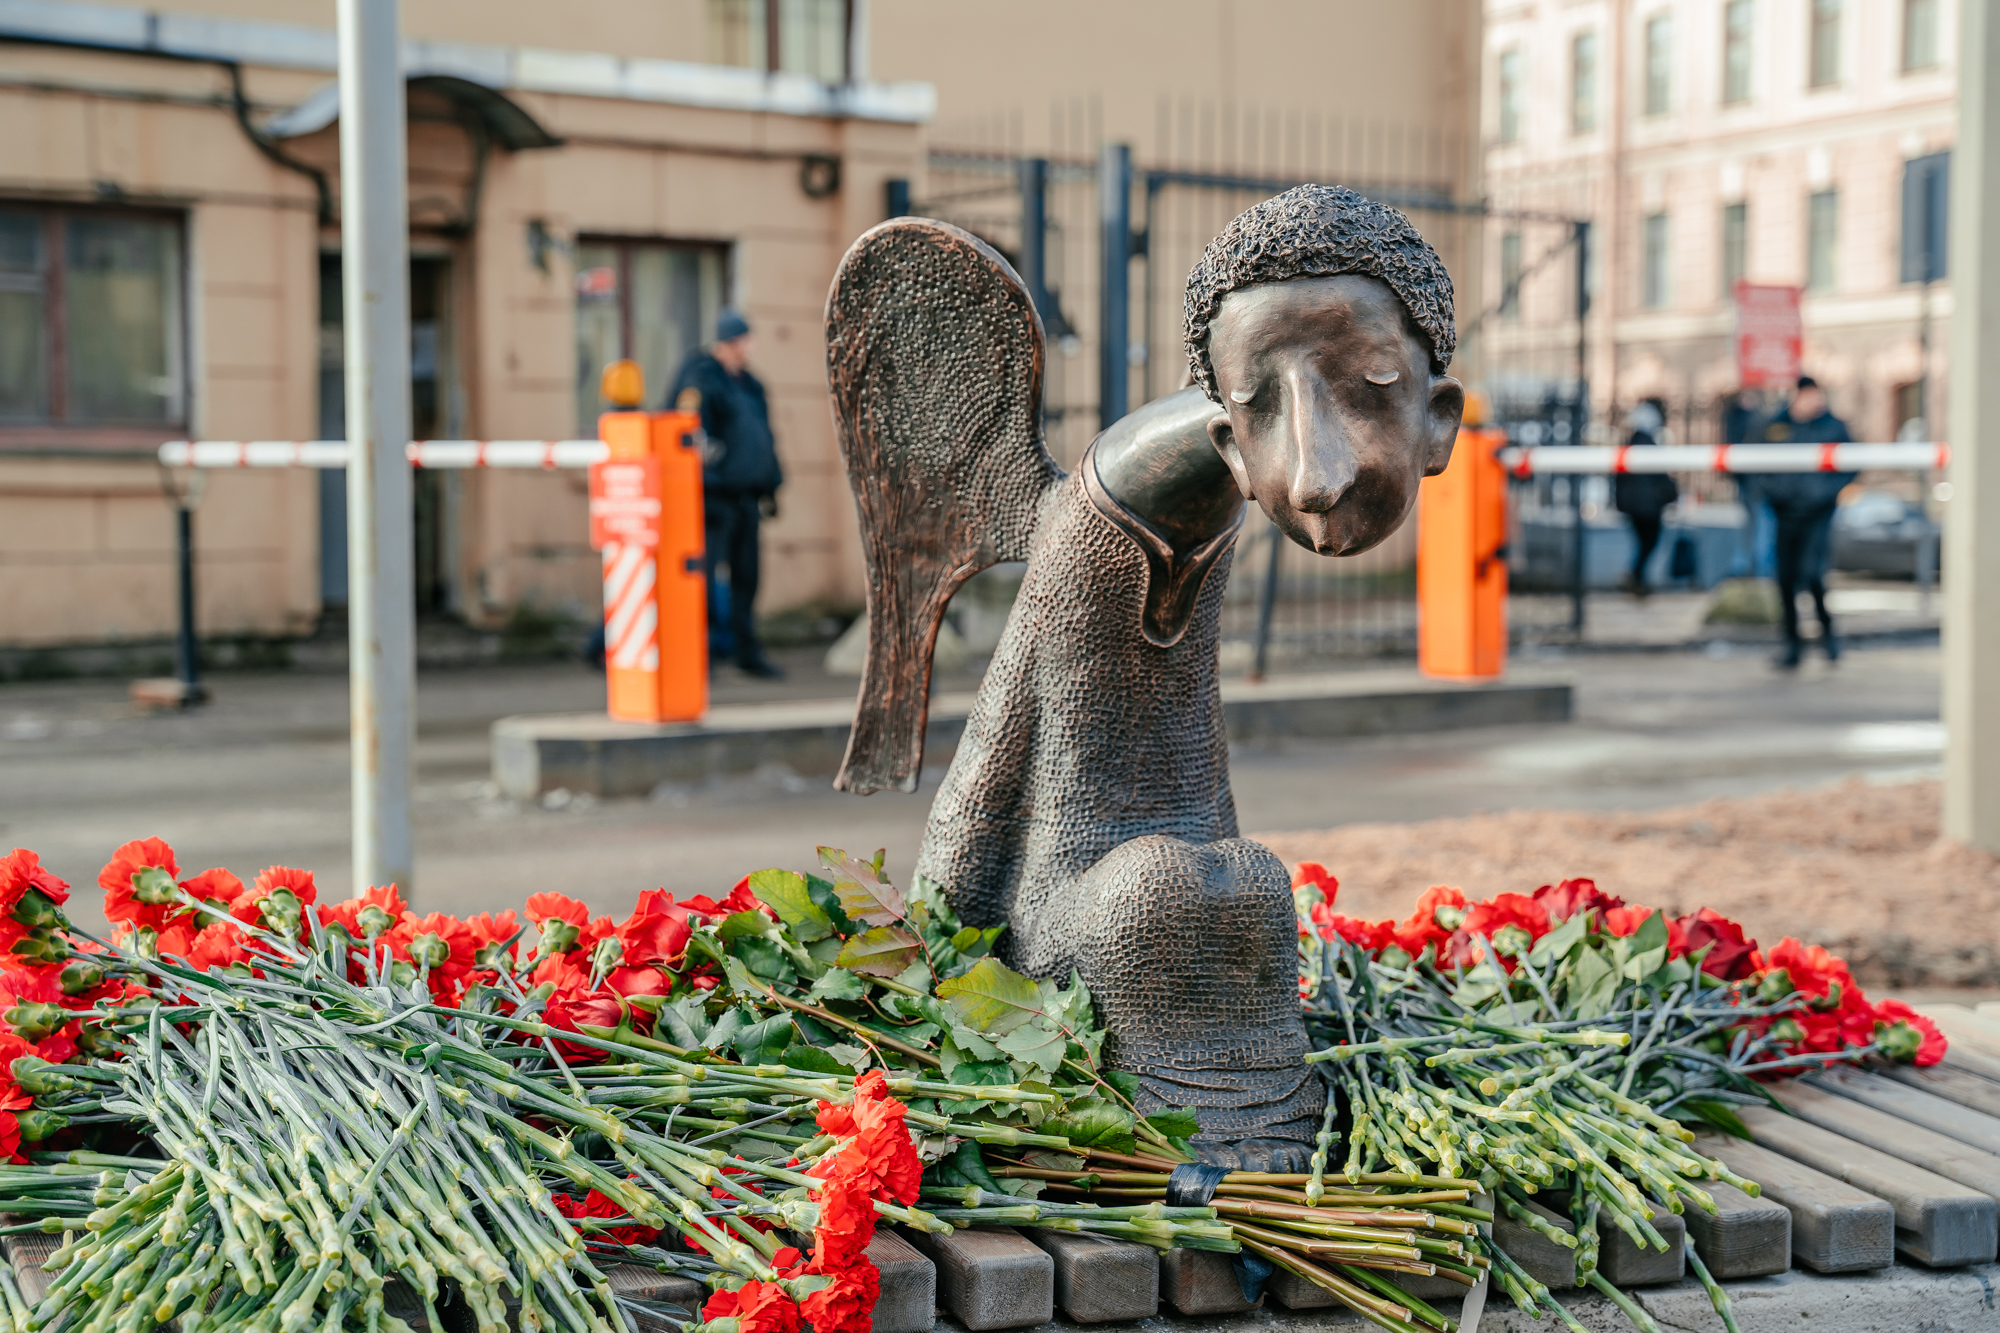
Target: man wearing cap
(740, 477)
(1803, 504)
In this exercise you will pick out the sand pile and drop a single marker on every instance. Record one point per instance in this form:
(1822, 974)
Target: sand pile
(1857, 867)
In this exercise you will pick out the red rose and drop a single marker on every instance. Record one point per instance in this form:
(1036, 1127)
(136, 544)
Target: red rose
(1729, 950)
(656, 932)
(1566, 899)
(1622, 921)
(740, 899)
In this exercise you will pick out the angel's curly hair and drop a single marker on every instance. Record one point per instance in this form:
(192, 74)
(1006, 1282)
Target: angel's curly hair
(1319, 231)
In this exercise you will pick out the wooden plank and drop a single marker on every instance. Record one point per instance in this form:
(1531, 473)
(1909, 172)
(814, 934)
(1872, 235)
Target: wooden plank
(1939, 1222)
(1974, 1128)
(1099, 1279)
(1202, 1282)
(1552, 1265)
(1973, 1045)
(990, 1277)
(908, 1300)
(1935, 1152)
(1745, 1237)
(1836, 1228)
(1954, 1085)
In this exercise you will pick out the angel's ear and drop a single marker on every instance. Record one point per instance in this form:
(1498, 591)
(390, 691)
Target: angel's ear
(1446, 411)
(1223, 437)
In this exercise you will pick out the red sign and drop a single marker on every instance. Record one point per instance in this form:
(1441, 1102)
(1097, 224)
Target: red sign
(625, 503)
(1770, 336)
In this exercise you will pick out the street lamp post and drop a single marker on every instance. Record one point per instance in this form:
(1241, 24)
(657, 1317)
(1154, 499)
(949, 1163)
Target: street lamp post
(381, 606)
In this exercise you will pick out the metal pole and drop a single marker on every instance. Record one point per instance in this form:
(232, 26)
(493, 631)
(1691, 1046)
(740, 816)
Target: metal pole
(1579, 419)
(1265, 603)
(381, 594)
(1034, 172)
(1972, 515)
(1114, 328)
(188, 649)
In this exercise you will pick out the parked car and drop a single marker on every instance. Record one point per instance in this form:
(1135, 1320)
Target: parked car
(1879, 532)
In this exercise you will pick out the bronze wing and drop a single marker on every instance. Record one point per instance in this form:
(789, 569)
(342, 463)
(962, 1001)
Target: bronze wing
(934, 358)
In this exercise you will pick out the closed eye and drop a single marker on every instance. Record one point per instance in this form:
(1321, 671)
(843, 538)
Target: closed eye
(1242, 395)
(1383, 376)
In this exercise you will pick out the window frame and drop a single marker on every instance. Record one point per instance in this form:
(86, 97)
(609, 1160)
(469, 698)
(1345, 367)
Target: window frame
(1825, 31)
(1657, 37)
(1735, 236)
(626, 246)
(1512, 88)
(57, 430)
(1813, 285)
(1583, 117)
(1735, 39)
(1656, 280)
(1908, 63)
(771, 60)
(1510, 276)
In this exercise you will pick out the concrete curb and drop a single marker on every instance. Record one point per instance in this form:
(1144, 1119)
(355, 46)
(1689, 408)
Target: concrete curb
(589, 752)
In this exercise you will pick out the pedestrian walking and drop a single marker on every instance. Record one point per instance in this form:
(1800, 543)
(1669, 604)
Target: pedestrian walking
(1643, 497)
(1743, 423)
(1803, 504)
(740, 477)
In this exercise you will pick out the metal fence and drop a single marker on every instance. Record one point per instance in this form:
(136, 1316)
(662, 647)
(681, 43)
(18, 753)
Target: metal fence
(1058, 217)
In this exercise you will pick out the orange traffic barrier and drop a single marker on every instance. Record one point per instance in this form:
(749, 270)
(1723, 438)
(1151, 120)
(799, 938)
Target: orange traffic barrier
(645, 517)
(1462, 562)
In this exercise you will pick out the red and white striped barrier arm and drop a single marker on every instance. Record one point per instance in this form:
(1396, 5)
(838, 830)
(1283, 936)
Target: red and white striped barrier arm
(1612, 459)
(546, 454)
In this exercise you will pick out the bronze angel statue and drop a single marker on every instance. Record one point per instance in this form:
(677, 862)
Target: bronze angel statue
(1088, 805)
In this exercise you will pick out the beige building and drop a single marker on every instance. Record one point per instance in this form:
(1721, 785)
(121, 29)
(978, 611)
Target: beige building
(1707, 141)
(585, 182)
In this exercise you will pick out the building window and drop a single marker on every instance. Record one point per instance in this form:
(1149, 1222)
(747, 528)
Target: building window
(1512, 79)
(1825, 43)
(1583, 83)
(646, 300)
(781, 36)
(92, 331)
(1920, 34)
(1822, 240)
(1659, 63)
(1653, 280)
(1510, 275)
(1735, 246)
(1737, 19)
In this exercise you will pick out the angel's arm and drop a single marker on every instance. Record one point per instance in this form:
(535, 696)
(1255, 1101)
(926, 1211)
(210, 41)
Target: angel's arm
(1160, 463)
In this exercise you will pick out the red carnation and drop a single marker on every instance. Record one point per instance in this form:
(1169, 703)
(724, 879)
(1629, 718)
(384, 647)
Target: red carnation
(757, 1307)
(1907, 1034)
(595, 1204)
(1514, 910)
(21, 870)
(881, 1154)
(1439, 912)
(848, 1306)
(138, 884)
(1311, 874)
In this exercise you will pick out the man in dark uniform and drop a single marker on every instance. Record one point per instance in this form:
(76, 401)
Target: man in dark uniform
(1803, 504)
(740, 475)
(1643, 497)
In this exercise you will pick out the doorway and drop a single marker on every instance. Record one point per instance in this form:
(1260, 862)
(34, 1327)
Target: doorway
(436, 412)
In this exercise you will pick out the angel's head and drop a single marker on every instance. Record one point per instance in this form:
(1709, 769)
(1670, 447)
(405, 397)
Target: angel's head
(1321, 324)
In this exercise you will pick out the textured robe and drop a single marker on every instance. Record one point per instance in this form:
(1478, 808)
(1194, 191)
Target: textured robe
(1088, 806)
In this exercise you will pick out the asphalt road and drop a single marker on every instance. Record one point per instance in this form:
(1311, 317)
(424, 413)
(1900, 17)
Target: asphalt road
(261, 774)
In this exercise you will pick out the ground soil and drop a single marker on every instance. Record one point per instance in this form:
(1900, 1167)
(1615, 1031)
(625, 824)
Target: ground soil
(1858, 867)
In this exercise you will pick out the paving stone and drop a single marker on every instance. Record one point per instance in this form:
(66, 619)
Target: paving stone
(1100, 1279)
(1746, 1237)
(1836, 1228)
(908, 1303)
(1202, 1282)
(990, 1277)
(1939, 1222)
(1552, 1265)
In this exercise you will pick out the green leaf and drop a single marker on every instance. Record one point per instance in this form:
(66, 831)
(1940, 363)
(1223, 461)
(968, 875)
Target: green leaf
(1719, 1114)
(811, 1058)
(1124, 1082)
(762, 1043)
(884, 951)
(785, 893)
(931, 894)
(686, 1021)
(984, 1073)
(864, 894)
(1593, 982)
(1175, 1124)
(962, 1049)
(970, 1162)
(1560, 940)
(824, 898)
(738, 924)
(1069, 1008)
(1036, 1044)
(1093, 1122)
(1651, 934)
(764, 958)
(838, 984)
(1643, 965)
(726, 1027)
(992, 997)
(917, 976)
